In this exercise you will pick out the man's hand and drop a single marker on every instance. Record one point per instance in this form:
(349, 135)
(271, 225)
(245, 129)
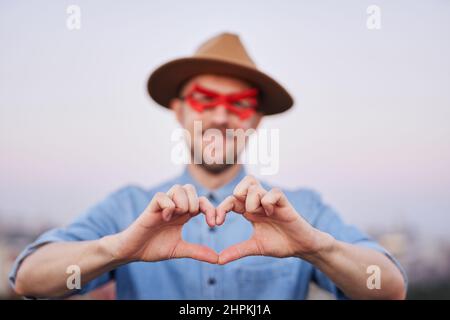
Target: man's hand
(279, 231)
(156, 234)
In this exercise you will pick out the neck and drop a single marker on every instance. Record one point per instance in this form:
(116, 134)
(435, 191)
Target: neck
(213, 180)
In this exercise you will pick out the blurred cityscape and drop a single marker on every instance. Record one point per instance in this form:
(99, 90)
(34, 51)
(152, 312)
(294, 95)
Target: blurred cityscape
(426, 259)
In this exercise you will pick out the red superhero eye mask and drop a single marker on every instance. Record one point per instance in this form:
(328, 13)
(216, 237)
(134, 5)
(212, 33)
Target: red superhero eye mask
(243, 103)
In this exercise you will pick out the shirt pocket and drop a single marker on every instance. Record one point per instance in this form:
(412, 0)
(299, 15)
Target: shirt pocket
(270, 278)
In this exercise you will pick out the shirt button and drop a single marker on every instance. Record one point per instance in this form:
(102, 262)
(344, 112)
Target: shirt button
(211, 197)
(211, 281)
(212, 229)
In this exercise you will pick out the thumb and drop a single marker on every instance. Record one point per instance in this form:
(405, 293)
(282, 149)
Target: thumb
(195, 251)
(243, 249)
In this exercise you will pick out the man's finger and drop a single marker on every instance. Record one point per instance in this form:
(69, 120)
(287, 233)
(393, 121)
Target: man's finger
(275, 197)
(208, 209)
(240, 250)
(253, 199)
(229, 204)
(161, 203)
(240, 191)
(195, 251)
(179, 197)
(193, 203)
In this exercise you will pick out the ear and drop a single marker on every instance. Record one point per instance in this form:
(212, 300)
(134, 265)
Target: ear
(177, 107)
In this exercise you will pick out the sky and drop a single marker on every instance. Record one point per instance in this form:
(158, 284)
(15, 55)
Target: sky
(370, 129)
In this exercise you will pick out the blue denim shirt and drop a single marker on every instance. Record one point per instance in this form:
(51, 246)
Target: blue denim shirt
(248, 278)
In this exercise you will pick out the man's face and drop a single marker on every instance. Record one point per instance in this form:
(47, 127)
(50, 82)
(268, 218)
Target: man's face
(218, 117)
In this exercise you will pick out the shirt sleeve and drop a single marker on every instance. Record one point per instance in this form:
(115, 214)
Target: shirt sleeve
(328, 220)
(95, 223)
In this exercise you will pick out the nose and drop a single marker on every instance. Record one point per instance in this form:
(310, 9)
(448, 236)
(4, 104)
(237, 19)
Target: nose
(219, 115)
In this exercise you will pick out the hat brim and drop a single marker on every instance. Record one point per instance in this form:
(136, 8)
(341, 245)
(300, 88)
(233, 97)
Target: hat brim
(166, 81)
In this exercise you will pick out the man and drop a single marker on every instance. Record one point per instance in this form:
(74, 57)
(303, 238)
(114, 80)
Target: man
(138, 237)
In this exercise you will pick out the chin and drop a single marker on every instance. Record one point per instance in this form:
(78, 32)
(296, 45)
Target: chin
(215, 168)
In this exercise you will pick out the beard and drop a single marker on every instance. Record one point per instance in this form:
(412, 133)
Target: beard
(206, 156)
(217, 150)
(215, 168)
